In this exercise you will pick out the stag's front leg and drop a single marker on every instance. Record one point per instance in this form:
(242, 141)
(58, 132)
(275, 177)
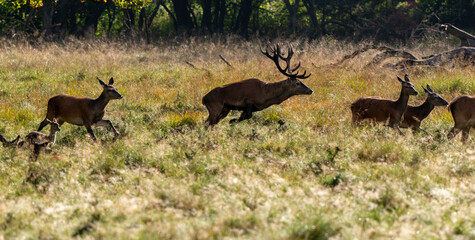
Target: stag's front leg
(106, 123)
(246, 114)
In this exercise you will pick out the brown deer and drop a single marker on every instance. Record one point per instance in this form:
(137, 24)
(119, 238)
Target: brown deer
(254, 95)
(463, 112)
(384, 110)
(414, 115)
(82, 111)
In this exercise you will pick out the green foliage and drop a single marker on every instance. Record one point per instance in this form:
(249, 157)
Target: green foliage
(385, 20)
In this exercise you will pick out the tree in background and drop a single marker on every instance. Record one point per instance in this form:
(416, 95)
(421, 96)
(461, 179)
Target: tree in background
(147, 19)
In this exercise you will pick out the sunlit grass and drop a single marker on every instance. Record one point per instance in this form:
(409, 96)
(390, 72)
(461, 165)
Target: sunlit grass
(298, 170)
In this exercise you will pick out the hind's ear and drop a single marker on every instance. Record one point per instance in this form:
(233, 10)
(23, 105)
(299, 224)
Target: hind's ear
(426, 91)
(111, 81)
(101, 82)
(399, 79)
(430, 89)
(406, 78)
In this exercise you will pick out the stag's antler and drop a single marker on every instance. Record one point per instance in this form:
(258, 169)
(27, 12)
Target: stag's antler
(275, 54)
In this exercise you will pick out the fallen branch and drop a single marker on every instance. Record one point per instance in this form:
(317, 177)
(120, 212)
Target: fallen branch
(197, 68)
(466, 38)
(388, 52)
(462, 56)
(225, 61)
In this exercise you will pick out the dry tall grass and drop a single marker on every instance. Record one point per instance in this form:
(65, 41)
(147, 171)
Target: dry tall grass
(315, 177)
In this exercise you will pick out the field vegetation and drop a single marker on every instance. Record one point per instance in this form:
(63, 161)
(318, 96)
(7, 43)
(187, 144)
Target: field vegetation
(298, 170)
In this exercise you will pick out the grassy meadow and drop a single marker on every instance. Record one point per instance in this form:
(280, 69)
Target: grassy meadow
(167, 177)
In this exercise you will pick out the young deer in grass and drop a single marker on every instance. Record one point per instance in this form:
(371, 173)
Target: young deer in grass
(82, 111)
(39, 140)
(463, 112)
(254, 95)
(12, 143)
(384, 110)
(415, 114)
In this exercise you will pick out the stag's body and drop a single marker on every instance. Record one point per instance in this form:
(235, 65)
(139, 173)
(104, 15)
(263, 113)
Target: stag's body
(253, 95)
(463, 112)
(414, 115)
(82, 111)
(384, 110)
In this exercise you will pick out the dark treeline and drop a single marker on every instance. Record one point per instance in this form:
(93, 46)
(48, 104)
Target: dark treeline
(148, 19)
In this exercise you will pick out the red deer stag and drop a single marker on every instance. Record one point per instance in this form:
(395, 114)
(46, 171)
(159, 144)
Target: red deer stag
(415, 114)
(384, 110)
(463, 112)
(82, 111)
(254, 95)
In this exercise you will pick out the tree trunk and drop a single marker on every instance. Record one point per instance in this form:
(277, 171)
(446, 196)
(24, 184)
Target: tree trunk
(164, 5)
(244, 15)
(129, 21)
(94, 12)
(292, 14)
(312, 14)
(206, 21)
(183, 16)
(220, 13)
(48, 10)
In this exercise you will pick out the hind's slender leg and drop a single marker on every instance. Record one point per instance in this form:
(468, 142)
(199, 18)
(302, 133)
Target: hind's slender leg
(43, 124)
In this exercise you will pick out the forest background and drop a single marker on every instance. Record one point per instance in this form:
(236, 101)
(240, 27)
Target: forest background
(380, 20)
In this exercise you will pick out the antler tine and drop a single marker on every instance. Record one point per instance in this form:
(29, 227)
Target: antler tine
(277, 53)
(302, 76)
(297, 67)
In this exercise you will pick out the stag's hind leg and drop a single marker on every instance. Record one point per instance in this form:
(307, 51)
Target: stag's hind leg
(216, 113)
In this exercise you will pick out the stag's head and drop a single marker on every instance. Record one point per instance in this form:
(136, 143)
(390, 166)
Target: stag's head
(109, 90)
(293, 84)
(407, 86)
(434, 98)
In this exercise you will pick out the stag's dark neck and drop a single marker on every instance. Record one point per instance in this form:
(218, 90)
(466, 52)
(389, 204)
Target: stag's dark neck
(401, 103)
(100, 102)
(277, 92)
(423, 110)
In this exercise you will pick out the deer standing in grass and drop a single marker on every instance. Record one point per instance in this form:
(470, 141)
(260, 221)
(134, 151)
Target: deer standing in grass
(384, 110)
(414, 115)
(82, 111)
(463, 112)
(254, 95)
